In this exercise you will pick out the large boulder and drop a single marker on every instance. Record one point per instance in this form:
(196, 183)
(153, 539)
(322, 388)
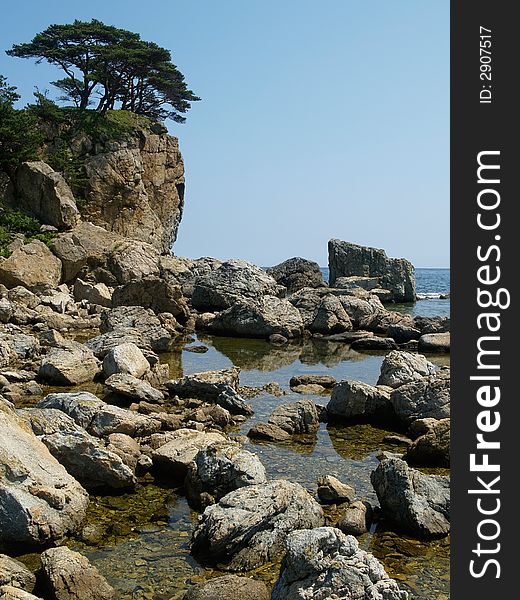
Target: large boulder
(44, 194)
(32, 266)
(228, 587)
(70, 364)
(127, 387)
(261, 317)
(296, 418)
(297, 273)
(16, 574)
(183, 271)
(232, 281)
(125, 358)
(402, 367)
(70, 576)
(221, 468)
(135, 185)
(413, 502)
(324, 563)
(247, 528)
(321, 312)
(423, 398)
(98, 294)
(99, 418)
(396, 274)
(435, 342)
(40, 502)
(357, 400)
(154, 293)
(132, 259)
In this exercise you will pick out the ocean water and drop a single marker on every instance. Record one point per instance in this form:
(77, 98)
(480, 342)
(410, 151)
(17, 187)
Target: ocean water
(432, 284)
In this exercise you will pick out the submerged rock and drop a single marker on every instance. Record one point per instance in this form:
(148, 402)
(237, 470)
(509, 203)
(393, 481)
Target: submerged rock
(228, 587)
(248, 527)
(402, 367)
(416, 503)
(324, 563)
(70, 576)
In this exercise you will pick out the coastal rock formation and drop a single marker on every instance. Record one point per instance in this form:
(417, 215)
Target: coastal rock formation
(232, 281)
(324, 563)
(412, 501)
(297, 273)
(135, 185)
(39, 501)
(32, 266)
(247, 527)
(360, 401)
(70, 576)
(70, 363)
(396, 274)
(44, 194)
(400, 367)
(228, 587)
(321, 312)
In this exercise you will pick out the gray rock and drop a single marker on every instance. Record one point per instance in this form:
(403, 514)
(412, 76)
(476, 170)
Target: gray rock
(154, 293)
(232, 281)
(22, 345)
(231, 400)
(174, 457)
(374, 343)
(432, 324)
(297, 273)
(70, 364)
(125, 358)
(434, 342)
(132, 260)
(98, 294)
(324, 563)
(98, 418)
(359, 400)
(402, 333)
(32, 266)
(228, 587)
(14, 573)
(9, 592)
(40, 502)
(44, 194)
(416, 503)
(396, 274)
(183, 271)
(133, 389)
(432, 448)
(70, 576)
(268, 432)
(126, 448)
(221, 468)
(248, 526)
(356, 518)
(400, 367)
(261, 317)
(426, 397)
(321, 312)
(296, 418)
(332, 490)
(325, 381)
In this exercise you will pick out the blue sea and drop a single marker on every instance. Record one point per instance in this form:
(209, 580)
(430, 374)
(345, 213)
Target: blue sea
(431, 285)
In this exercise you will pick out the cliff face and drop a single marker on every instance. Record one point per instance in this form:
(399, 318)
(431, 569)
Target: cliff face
(135, 186)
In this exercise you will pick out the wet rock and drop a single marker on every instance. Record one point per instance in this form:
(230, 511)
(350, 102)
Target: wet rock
(131, 389)
(333, 491)
(98, 418)
(248, 526)
(174, 457)
(125, 358)
(39, 501)
(432, 448)
(232, 281)
(32, 266)
(416, 503)
(260, 317)
(324, 381)
(402, 367)
(374, 343)
(45, 195)
(426, 397)
(98, 294)
(70, 576)
(198, 349)
(297, 273)
(277, 339)
(16, 574)
(324, 563)
(268, 432)
(220, 469)
(356, 518)
(228, 587)
(434, 342)
(70, 364)
(358, 400)
(396, 274)
(154, 293)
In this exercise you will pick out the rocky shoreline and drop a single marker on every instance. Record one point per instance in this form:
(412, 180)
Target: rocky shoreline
(98, 309)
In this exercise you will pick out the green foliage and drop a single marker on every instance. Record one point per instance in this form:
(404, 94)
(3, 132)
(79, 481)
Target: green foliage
(13, 223)
(20, 137)
(116, 65)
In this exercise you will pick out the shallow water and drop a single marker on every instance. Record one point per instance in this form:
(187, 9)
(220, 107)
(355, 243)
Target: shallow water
(140, 541)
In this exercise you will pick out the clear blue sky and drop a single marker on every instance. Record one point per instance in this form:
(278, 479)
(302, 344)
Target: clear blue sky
(318, 119)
